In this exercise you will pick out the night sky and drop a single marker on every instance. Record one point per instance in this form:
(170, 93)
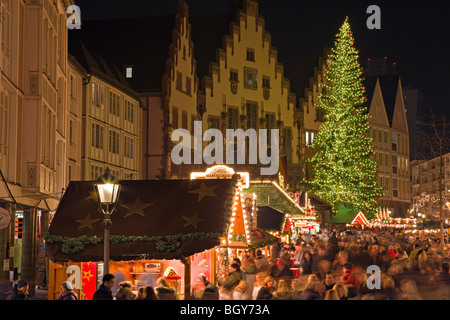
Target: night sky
(414, 34)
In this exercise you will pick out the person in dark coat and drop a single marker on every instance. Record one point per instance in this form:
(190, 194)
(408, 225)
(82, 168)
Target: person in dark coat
(267, 289)
(329, 281)
(283, 271)
(211, 292)
(305, 265)
(238, 269)
(333, 240)
(150, 293)
(104, 291)
(20, 291)
(316, 259)
(66, 292)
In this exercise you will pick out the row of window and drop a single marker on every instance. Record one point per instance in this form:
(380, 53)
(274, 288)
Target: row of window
(399, 143)
(429, 179)
(97, 140)
(232, 121)
(399, 164)
(400, 188)
(98, 96)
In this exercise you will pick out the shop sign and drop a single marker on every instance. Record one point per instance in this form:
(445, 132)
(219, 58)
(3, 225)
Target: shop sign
(5, 218)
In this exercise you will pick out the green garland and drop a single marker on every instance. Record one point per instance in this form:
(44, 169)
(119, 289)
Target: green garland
(163, 243)
(238, 237)
(264, 243)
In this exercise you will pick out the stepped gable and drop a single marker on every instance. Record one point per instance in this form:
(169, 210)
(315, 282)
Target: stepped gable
(248, 8)
(300, 71)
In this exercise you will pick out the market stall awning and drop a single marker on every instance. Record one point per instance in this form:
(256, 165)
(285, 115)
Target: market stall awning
(269, 193)
(347, 215)
(155, 219)
(344, 215)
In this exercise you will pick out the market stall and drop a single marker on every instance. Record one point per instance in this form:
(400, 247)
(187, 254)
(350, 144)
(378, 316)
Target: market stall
(280, 206)
(243, 235)
(349, 217)
(383, 219)
(158, 224)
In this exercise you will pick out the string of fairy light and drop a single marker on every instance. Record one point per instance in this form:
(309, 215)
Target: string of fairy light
(344, 170)
(238, 203)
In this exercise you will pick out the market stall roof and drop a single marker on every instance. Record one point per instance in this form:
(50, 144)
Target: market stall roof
(347, 215)
(155, 219)
(269, 218)
(269, 193)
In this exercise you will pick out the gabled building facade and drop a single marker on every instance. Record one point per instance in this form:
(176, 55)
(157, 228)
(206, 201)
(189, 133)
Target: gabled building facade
(180, 93)
(389, 130)
(246, 89)
(110, 118)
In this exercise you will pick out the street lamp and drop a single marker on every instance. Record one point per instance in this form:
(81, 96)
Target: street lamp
(107, 188)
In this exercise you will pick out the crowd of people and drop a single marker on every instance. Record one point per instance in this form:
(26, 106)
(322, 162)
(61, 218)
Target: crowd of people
(161, 291)
(333, 265)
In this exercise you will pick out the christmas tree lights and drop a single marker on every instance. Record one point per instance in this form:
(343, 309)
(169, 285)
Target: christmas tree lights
(343, 170)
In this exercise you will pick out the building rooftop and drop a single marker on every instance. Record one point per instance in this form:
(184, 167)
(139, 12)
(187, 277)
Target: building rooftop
(95, 63)
(389, 87)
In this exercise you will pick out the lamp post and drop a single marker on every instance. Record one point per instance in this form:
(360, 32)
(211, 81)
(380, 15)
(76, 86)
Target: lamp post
(107, 188)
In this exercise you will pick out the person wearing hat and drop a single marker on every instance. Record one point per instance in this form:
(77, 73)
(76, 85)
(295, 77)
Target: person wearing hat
(211, 292)
(66, 292)
(20, 291)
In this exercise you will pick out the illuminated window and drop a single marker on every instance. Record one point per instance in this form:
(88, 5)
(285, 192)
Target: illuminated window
(129, 72)
(309, 137)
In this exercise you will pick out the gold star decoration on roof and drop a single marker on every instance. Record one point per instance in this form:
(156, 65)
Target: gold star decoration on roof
(204, 191)
(193, 221)
(136, 207)
(92, 195)
(86, 222)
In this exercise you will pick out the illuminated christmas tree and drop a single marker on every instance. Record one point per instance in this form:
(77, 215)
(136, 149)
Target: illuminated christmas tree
(342, 168)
